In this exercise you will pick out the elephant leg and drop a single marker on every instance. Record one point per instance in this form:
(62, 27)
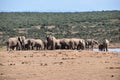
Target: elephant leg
(101, 48)
(47, 47)
(22, 47)
(68, 47)
(92, 47)
(17, 48)
(32, 47)
(13, 47)
(43, 47)
(62, 46)
(78, 48)
(89, 46)
(53, 46)
(36, 47)
(82, 47)
(39, 47)
(7, 48)
(28, 47)
(106, 48)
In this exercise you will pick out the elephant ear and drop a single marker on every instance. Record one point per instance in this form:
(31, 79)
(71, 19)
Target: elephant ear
(47, 37)
(19, 38)
(23, 37)
(95, 42)
(51, 37)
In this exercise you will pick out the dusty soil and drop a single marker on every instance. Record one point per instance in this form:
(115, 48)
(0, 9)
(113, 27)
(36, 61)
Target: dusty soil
(59, 65)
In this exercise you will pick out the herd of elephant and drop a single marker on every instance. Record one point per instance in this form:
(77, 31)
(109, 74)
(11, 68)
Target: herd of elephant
(52, 43)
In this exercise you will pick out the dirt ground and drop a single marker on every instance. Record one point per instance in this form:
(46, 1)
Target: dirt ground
(59, 65)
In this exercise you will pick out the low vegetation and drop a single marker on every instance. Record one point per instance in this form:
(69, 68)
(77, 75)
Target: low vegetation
(98, 25)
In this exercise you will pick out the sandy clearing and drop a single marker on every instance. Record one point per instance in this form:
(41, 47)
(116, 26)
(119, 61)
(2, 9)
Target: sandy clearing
(59, 65)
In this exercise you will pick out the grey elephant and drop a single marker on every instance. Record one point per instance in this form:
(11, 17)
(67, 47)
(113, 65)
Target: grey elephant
(51, 40)
(30, 42)
(14, 42)
(78, 43)
(90, 43)
(45, 44)
(105, 44)
(23, 42)
(27, 44)
(101, 47)
(66, 43)
(38, 44)
(57, 44)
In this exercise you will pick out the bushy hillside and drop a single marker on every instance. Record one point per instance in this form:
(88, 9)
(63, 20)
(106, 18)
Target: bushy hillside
(98, 25)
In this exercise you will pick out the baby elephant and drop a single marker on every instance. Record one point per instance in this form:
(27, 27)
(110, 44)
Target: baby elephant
(104, 45)
(101, 47)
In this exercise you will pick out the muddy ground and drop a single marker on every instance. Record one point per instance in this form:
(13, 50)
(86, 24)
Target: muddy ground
(59, 65)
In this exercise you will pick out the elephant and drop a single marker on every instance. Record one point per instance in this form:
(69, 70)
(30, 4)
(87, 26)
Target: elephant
(90, 43)
(51, 40)
(54, 43)
(38, 44)
(14, 42)
(45, 44)
(101, 47)
(23, 41)
(105, 44)
(27, 44)
(66, 43)
(72, 43)
(78, 43)
(57, 44)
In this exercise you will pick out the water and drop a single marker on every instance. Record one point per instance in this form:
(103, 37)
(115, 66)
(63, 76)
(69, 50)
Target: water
(111, 50)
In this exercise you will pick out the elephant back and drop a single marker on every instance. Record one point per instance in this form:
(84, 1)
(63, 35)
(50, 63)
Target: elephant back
(12, 41)
(50, 38)
(106, 42)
